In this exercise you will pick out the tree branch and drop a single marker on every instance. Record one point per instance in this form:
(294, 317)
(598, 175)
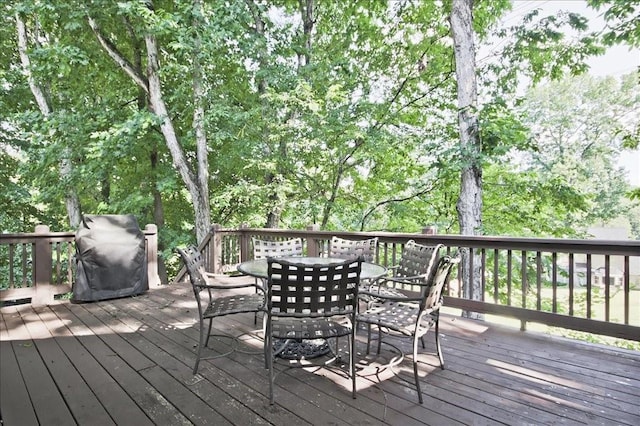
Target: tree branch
(423, 191)
(113, 52)
(37, 91)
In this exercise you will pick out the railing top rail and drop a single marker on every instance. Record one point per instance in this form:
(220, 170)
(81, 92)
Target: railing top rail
(611, 247)
(35, 235)
(7, 238)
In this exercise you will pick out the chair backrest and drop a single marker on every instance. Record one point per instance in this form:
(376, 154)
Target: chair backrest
(433, 293)
(418, 259)
(320, 290)
(349, 249)
(195, 268)
(265, 248)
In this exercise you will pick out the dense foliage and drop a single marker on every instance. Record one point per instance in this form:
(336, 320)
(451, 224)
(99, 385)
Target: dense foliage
(336, 113)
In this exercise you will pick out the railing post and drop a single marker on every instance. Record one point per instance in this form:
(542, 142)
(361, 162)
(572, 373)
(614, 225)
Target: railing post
(215, 249)
(42, 265)
(312, 243)
(430, 230)
(244, 243)
(151, 235)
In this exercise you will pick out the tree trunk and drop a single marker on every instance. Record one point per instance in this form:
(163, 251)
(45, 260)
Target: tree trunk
(72, 202)
(198, 187)
(199, 195)
(307, 9)
(275, 205)
(198, 126)
(158, 206)
(469, 205)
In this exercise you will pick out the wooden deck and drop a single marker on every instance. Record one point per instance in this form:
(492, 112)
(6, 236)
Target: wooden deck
(128, 362)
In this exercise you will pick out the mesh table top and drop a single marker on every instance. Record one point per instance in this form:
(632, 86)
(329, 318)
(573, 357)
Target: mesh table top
(258, 267)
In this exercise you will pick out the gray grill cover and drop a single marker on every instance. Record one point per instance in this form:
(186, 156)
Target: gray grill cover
(110, 258)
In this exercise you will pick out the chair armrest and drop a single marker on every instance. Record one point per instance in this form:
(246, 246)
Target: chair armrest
(381, 296)
(392, 269)
(228, 286)
(405, 280)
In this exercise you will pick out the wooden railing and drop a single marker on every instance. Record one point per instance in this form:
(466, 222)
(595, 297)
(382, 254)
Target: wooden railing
(39, 265)
(586, 285)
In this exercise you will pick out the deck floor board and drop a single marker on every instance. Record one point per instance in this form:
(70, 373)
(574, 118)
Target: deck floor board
(129, 361)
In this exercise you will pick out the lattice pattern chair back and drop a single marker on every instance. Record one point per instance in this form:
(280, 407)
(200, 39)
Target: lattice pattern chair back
(302, 290)
(266, 248)
(433, 293)
(345, 249)
(416, 261)
(303, 301)
(194, 263)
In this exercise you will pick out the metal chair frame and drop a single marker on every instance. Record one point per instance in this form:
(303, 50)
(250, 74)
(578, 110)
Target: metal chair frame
(311, 302)
(411, 316)
(216, 305)
(345, 249)
(416, 264)
(273, 248)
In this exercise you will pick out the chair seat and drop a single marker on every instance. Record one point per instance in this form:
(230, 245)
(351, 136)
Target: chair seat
(306, 328)
(236, 304)
(398, 316)
(377, 291)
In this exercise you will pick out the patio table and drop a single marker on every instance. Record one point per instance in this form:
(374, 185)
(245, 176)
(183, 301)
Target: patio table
(258, 267)
(306, 348)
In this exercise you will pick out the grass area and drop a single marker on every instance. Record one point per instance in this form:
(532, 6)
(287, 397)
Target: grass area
(598, 306)
(616, 314)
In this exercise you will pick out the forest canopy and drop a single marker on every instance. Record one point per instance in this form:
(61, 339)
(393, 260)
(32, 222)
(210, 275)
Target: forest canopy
(286, 113)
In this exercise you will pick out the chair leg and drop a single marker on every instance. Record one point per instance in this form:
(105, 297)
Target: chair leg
(268, 349)
(415, 368)
(255, 315)
(352, 363)
(201, 344)
(206, 342)
(438, 348)
(368, 338)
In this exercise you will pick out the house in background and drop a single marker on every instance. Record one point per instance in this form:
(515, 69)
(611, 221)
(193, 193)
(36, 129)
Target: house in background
(616, 263)
(598, 270)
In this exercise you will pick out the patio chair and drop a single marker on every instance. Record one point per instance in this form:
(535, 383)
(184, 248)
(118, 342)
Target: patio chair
(417, 264)
(263, 249)
(266, 248)
(344, 249)
(217, 304)
(411, 317)
(311, 302)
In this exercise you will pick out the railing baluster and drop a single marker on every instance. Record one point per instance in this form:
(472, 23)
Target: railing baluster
(588, 277)
(627, 290)
(554, 283)
(523, 273)
(607, 288)
(496, 275)
(509, 277)
(24, 265)
(538, 280)
(12, 278)
(70, 254)
(483, 272)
